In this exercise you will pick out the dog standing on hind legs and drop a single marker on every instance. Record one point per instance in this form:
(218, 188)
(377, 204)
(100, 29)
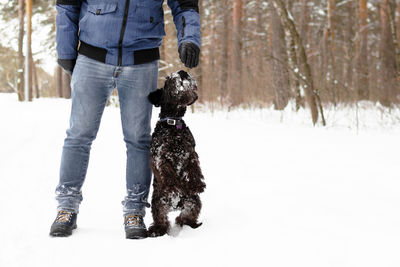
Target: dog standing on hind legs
(175, 164)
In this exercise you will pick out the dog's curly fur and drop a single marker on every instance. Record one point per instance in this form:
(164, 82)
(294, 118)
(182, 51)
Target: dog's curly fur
(178, 179)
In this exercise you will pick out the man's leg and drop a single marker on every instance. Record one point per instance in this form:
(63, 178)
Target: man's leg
(91, 84)
(134, 83)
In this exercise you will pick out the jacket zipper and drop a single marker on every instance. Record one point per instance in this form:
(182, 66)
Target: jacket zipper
(121, 37)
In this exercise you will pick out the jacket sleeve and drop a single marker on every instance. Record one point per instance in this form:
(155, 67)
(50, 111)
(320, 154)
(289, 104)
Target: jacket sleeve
(187, 20)
(67, 21)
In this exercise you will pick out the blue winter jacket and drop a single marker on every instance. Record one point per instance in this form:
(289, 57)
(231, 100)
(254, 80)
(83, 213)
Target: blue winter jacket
(121, 32)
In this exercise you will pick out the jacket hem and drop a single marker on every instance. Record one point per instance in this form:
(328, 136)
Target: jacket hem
(100, 54)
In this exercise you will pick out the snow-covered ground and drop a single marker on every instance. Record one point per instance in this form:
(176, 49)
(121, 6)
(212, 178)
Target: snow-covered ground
(280, 192)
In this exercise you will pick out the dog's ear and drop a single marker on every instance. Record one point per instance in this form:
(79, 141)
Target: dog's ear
(156, 97)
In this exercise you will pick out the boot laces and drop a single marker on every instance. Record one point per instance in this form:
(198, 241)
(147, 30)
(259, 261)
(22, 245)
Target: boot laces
(64, 216)
(134, 220)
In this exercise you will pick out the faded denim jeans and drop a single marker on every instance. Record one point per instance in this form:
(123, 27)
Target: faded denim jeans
(91, 84)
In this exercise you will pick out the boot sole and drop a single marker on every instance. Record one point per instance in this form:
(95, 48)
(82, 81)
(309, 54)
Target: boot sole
(62, 231)
(135, 233)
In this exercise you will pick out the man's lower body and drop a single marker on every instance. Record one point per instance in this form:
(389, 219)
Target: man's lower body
(92, 83)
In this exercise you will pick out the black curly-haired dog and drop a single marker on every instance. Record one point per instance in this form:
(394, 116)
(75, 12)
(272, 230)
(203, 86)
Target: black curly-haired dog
(175, 164)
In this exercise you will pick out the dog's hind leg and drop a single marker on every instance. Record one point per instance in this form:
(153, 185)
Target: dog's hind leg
(190, 212)
(159, 211)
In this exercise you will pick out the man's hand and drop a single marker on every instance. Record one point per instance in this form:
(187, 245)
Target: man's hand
(189, 54)
(67, 64)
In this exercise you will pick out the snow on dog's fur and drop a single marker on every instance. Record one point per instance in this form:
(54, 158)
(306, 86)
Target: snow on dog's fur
(177, 175)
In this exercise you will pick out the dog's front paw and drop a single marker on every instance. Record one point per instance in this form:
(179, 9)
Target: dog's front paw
(157, 230)
(192, 223)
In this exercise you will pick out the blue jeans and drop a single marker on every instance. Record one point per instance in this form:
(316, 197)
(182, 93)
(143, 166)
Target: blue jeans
(92, 83)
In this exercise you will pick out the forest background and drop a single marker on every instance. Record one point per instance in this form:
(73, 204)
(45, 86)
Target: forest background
(312, 53)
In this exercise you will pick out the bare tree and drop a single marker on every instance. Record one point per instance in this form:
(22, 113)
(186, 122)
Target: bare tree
(29, 7)
(387, 54)
(20, 79)
(225, 44)
(280, 74)
(330, 53)
(312, 95)
(362, 52)
(236, 55)
(59, 79)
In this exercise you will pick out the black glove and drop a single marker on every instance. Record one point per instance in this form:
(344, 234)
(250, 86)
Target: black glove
(67, 64)
(189, 53)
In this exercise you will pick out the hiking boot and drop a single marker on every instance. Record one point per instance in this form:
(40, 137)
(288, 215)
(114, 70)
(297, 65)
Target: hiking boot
(63, 224)
(135, 227)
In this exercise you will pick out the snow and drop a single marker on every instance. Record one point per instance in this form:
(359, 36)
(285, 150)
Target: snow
(280, 192)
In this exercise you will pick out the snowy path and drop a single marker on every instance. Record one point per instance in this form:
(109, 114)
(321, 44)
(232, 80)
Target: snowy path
(278, 194)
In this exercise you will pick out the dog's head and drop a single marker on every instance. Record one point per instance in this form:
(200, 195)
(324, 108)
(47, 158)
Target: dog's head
(180, 89)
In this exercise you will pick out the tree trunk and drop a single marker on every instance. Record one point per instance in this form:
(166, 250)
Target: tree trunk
(212, 57)
(165, 58)
(259, 53)
(223, 88)
(312, 95)
(332, 51)
(305, 31)
(199, 69)
(20, 77)
(398, 27)
(29, 4)
(348, 48)
(280, 75)
(236, 55)
(392, 20)
(59, 78)
(362, 53)
(387, 54)
(35, 79)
